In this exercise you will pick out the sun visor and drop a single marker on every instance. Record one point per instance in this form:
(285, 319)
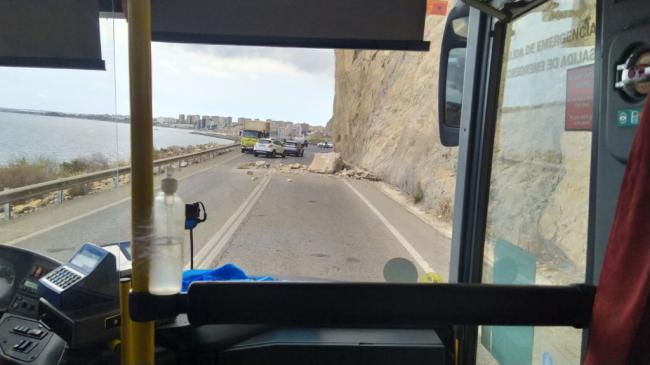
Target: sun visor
(50, 33)
(353, 24)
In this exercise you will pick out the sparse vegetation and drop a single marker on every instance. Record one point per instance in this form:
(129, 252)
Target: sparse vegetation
(22, 172)
(444, 210)
(418, 193)
(94, 162)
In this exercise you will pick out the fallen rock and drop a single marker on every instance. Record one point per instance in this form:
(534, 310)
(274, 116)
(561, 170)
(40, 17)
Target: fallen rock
(296, 166)
(260, 164)
(27, 208)
(249, 172)
(289, 180)
(326, 163)
(245, 165)
(358, 174)
(347, 173)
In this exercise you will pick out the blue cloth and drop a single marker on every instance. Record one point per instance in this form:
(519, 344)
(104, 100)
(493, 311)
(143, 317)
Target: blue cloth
(227, 272)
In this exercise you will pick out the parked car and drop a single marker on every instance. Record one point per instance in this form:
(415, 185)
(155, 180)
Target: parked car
(294, 148)
(329, 145)
(269, 147)
(322, 145)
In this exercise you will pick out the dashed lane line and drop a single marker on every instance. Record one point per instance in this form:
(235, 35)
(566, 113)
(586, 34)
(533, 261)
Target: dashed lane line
(217, 243)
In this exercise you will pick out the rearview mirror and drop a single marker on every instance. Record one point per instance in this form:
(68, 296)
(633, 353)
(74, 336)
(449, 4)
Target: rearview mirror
(451, 73)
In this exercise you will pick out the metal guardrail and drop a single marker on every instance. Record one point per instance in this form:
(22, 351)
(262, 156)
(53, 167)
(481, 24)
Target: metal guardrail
(9, 196)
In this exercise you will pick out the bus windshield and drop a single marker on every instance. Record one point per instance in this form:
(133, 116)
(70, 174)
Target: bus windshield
(368, 185)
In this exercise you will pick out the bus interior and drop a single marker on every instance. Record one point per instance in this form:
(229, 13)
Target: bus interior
(543, 100)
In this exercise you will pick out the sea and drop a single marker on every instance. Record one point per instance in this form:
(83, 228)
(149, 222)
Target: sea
(62, 138)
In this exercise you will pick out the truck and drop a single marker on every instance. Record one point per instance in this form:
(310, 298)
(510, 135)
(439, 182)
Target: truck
(253, 130)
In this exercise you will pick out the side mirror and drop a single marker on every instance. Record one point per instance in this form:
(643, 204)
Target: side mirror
(451, 73)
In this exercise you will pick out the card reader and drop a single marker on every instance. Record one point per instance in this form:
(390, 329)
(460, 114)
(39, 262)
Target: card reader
(88, 278)
(80, 299)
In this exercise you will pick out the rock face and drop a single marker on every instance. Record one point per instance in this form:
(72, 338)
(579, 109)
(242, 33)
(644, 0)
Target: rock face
(326, 163)
(385, 122)
(385, 119)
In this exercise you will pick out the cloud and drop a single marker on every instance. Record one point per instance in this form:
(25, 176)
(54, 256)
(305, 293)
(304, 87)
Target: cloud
(262, 82)
(316, 62)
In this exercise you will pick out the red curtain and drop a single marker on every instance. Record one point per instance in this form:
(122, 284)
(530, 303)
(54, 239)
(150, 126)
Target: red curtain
(620, 322)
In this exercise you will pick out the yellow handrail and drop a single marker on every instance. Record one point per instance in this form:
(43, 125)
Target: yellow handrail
(126, 347)
(139, 18)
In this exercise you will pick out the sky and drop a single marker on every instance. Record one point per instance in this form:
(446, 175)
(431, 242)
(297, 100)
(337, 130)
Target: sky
(256, 82)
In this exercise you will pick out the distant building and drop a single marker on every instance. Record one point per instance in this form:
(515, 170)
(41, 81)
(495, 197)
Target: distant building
(181, 118)
(222, 122)
(193, 120)
(164, 121)
(303, 128)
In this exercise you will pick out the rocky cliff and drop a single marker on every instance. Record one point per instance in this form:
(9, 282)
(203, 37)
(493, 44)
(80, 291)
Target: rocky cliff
(385, 119)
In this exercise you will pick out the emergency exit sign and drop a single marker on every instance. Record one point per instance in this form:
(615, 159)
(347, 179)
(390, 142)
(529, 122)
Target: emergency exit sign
(626, 118)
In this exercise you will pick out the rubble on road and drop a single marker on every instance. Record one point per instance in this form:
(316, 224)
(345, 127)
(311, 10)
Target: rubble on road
(359, 174)
(330, 164)
(254, 165)
(326, 163)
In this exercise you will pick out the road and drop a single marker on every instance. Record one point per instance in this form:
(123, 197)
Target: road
(272, 222)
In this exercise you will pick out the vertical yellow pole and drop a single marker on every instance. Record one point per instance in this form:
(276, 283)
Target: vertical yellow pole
(139, 16)
(126, 347)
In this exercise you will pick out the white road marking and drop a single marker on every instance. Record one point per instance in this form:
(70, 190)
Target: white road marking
(407, 245)
(76, 218)
(217, 243)
(94, 211)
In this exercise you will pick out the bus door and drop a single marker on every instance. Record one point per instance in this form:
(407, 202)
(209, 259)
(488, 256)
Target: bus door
(552, 97)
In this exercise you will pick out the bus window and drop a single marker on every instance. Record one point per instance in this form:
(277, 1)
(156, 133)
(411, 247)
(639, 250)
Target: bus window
(536, 231)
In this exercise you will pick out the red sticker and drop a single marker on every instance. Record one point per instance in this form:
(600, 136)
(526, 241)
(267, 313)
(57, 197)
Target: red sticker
(579, 99)
(436, 7)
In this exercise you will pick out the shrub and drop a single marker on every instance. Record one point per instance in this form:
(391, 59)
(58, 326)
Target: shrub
(22, 172)
(418, 193)
(80, 165)
(445, 209)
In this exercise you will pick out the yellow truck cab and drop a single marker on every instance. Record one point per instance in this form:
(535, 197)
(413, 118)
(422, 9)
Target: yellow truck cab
(253, 130)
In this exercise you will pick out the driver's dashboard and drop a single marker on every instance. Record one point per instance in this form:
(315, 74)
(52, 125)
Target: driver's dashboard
(23, 338)
(20, 271)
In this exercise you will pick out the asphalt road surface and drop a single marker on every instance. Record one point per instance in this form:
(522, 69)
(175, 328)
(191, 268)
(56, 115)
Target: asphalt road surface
(272, 222)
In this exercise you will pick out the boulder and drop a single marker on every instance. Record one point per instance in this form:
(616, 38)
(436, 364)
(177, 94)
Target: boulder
(260, 164)
(326, 163)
